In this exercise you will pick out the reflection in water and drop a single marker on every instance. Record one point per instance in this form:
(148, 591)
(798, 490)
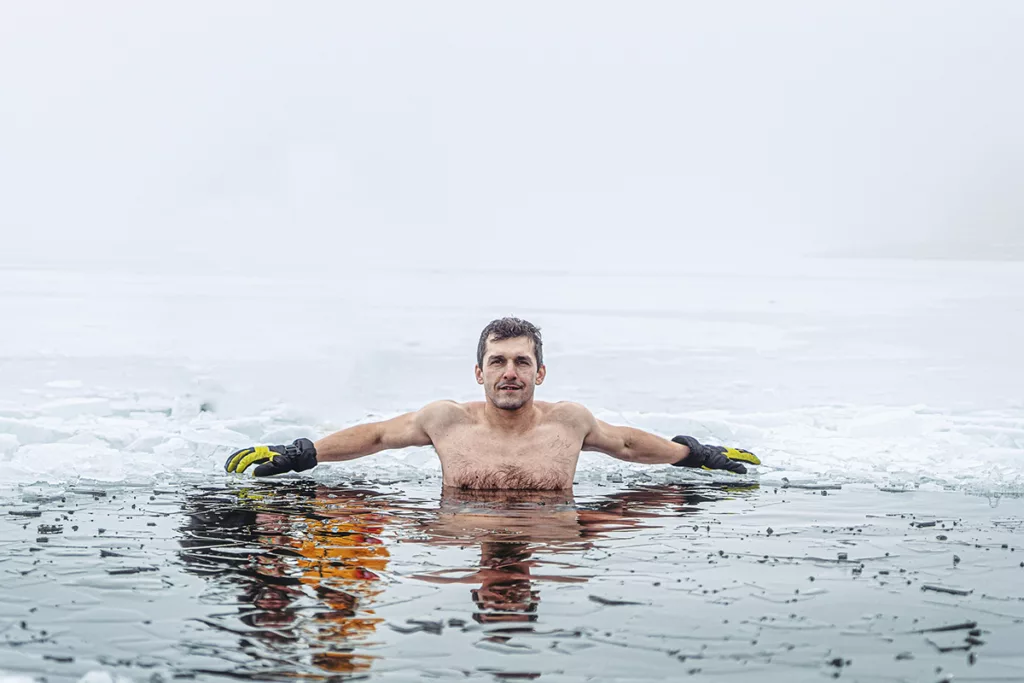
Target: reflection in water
(303, 562)
(508, 527)
(304, 565)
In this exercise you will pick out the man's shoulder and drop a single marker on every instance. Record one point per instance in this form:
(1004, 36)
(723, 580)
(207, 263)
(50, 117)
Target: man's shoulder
(446, 412)
(566, 411)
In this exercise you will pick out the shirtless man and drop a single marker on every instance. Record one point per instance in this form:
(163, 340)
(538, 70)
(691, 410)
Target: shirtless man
(508, 440)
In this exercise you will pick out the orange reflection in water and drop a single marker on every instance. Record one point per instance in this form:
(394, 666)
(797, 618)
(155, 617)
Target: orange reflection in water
(307, 562)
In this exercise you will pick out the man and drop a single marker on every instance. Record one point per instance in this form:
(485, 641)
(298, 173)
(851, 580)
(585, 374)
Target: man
(507, 441)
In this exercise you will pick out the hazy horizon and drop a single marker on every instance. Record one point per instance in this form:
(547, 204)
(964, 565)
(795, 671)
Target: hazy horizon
(210, 136)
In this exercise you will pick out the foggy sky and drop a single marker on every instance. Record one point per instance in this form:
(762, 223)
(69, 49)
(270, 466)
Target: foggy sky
(342, 135)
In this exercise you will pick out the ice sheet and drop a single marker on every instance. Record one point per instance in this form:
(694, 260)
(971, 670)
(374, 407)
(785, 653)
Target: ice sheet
(895, 373)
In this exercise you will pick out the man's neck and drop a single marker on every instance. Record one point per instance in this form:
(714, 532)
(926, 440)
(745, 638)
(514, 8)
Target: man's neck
(519, 420)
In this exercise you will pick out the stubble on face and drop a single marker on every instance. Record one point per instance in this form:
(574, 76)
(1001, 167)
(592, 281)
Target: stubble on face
(512, 394)
(511, 400)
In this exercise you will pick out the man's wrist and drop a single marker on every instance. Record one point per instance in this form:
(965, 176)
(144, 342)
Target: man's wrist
(302, 453)
(693, 457)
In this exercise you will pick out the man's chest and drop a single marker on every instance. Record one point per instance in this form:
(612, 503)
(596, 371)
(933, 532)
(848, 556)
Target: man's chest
(475, 457)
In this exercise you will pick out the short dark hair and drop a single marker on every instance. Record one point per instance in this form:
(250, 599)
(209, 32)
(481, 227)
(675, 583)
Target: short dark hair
(510, 328)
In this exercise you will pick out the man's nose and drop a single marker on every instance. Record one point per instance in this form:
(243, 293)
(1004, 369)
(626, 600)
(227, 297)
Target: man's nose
(510, 371)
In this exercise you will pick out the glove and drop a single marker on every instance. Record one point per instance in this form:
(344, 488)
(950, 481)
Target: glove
(715, 457)
(299, 456)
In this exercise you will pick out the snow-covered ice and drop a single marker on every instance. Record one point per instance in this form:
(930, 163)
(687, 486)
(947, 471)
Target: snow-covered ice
(887, 372)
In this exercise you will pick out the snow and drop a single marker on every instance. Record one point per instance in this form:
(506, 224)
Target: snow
(13, 678)
(104, 677)
(881, 372)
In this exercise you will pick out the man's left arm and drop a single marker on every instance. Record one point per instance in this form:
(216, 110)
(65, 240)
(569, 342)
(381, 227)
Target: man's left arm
(636, 445)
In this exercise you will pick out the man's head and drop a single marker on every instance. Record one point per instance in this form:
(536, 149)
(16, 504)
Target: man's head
(510, 362)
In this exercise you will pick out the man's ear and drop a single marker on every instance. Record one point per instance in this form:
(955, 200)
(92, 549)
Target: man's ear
(542, 371)
(479, 374)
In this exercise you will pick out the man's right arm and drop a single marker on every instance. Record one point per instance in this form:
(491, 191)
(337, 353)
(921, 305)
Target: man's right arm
(410, 429)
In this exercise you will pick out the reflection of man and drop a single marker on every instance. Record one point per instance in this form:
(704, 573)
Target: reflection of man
(507, 441)
(509, 526)
(516, 530)
(506, 588)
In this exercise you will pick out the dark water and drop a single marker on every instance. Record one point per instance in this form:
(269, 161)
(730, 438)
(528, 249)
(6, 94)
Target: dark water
(285, 580)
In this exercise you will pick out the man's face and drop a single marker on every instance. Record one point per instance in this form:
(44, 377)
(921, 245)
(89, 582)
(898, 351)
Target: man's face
(509, 373)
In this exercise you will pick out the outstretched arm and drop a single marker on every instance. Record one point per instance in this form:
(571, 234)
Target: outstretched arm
(635, 445)
(410, 429)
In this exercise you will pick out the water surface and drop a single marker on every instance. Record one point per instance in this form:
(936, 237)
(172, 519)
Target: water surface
(285, 579)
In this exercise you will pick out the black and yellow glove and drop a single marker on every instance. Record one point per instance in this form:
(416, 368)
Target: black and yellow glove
(299, 456)
(715, 457)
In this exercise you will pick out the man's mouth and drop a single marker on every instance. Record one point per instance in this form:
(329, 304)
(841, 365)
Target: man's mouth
(508, 387)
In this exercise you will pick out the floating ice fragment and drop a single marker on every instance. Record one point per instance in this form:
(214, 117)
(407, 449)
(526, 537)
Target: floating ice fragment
(32, 431)
(8, 444)
(65, 384)
(103, 677)
(76, 407)
(251, 427)
(148, 442)
(285, 434)
(216, 436)
(423, 459)
(16, 678)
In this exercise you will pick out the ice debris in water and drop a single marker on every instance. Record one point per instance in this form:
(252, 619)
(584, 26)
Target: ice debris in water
(103, 677)
(16, 678)
(65, 384)
(77, 432)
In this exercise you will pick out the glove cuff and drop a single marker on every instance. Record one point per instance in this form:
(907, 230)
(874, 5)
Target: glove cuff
(302, 453)
(697, 454)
